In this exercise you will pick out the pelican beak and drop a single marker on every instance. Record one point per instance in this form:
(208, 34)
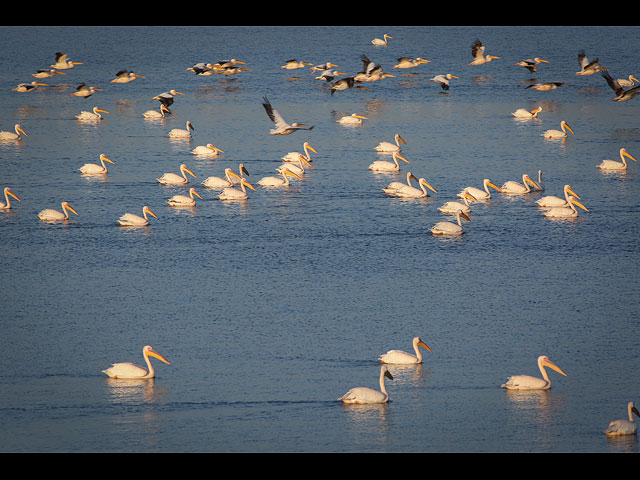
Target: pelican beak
(107, 159)
(41, 84)
(635, 80)
(153, 353)
(334, 65)
(568, 128)
(387, 75)
(179, 93)
(552, 365)
(247, 184)
(304, 160)
(423, 60)
(150, 212)
(494, 186)
(544, 61)
(493, 56)
(96, 88)
(138, 76)
(453, 76)
(362, 116)
(235, 175)
(100, 110)
(573, 193)
(218, 149)
(386, 372)
(190, 172)
(22, 131)
(59, 73)
(197, 194)
(402, 158)
(428, 185)
(634, 409)
(422, 344)
(531, 182)
(465, 216)
(76, 63)
(414, 177)
(69, 207)
(312, 149)
(9, 192)
(470, 197)
(628, 155)
(289, 172)
(576, 202)
(401, 139)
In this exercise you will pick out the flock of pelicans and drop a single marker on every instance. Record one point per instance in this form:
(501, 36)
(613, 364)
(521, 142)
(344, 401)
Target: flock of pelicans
(233, 185)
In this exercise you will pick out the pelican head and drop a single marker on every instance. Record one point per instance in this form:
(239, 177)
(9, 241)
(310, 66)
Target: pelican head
(103, 157)
(492, 185)
(309, 147)
(7, 191)
(397, 155)
(146, 209)
(418, 341)
(149, 351)
(424, 182)
(66, 206)
(464, 215)
(247, 184)
(214, 148)
(575, 201)
(184, 168)
(564, 125)
(399, 139)
(624, 153)
(544, 361)
(18, 128)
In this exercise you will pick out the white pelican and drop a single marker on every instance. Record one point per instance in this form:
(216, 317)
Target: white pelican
(296, 167)
(381, 41)
(323, 67)
(448, 228)
(13, 136)
(443, 80)
(622, 95)
(353, 119)
(329, 75)
(546, 86)
(183, 200)
(568, 211)
(480, 194)
(512, 187)
(455, 207)
(124, 76)
(230, 70)
(409, 191)
(526, 382)
(613, 165)
(7, 203)
(166, 98)
(524, 113)
(83, 90)
(228, 63)
(48, 73)
(372, 71)
(217, 182)
(282, 127)
(558, 133)
(384, 166)
(394, 186)
(293, 156)
(28, 87)
(403, 358)
(175, 179)
(553, 201)
(477, 52)
(294, 65)
(389, 147)
(277, 181)
(157, 113)
(209, 150)
(531, 64)
(202, 69)
(130, 370)
(342, 84)
(93, 115)
(132, 220)
(369, 395)
(410, 62)
(234, 193)
(587, 67)
(56, 216)
(93, 169)
(180, 133)
(63, 63)
(624, 427)
(623, 82)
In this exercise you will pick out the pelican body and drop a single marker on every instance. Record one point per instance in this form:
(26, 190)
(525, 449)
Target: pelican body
(410, 62)
(409, 191)
(175, 179)
(613, 165)
(281, 126)
(526, 382)
(124, 76)
(553, 201)
(531, 64)
(13, 136)
(28, 87)
(92, 115)
(294, 65)
(209, 150)
(85, 91)
(558, 133)
(587, 67)
(296, 167)
(182, 133)
(93, 169)
(477, 52)
(622, 95)
(353, 119)
(166, 98)
(388, 147)
(51, 72)
(132, 220)
(384, 166)
(443, 80)
(51, 215)
(227, 181)
(342, 84)
(403, 358)
(524, 113)
(277, 181)
(7, 202)
(455, 207)
(157, 113)
(481, 194)
(293, 156)
(366, 395)
(567, 211)
(236, 194)
(63, 63)
(511, 187)
(130, 370)
(448, 228)
(394, 186)
(624, 427)
(546, 86)
(381, 41)
(183, 200)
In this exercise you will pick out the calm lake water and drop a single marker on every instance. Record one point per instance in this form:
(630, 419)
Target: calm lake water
(272, 308)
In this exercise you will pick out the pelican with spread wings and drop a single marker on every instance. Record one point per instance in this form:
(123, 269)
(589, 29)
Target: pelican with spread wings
(281, 126)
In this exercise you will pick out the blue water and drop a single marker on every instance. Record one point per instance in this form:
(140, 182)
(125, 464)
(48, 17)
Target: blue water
(271, 309)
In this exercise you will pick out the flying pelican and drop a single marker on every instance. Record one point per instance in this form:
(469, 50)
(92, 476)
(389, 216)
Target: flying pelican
(166, 98)
(613, 165)
(234, 193)
(93, 169)
(175, 179)
(342, 84)
(558, 133)
(63, 63)
(294, 64)
(293, 156)
(477, 52)
(545, 87)
(7, 203)
(587, 67)
(448, 228)
(83, 90)
(389, 147)
(282, 127)
(157, 114)
(202, 69)
(526, 382)
(13, 136)
(381, 41)
(183, 200)
(369, 395)
(124, 76)
(455, 207)
(209, 150)
(93, 115)
(217, 182)
(323, 67)
(228, 63)
(410, 62)
(384, 166)
(443, 80)
(230, 70)
(553, 201)
(403, 358)
(624, 427)
(409, 191)
(514, 188)
(48, 73)
(129, 370)
(296, 167)
(622, 95)
(353, 119)
(394, 186)
(568, 211)
(531, 64)
(277, 181)
(372, 71)
(56, 216)
(28, 87)
(479, 194)
(329, 75)
(132, 220)
(181, 133)
(524, 113)
(623, 82)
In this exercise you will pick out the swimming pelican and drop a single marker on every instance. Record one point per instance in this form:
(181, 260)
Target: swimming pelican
(217, 182)
(209, 150)
(175, 179)
(524, 113)
(293, 156)
(372, 71)
(47, 73)
(479, 194)
(277, 181)
(390, 147)
(568, 211)
(84, 91)
(545, 87)
(622, 95)
(624, 427)
(384, 166)
(399, 357)
(166, 98)
(342, 84)
(130, 370)
(181, 133)
(93, 169)
(124, 76)
(56, 216)
(183, 200)
(448, 228)
(7, 203)
(13, 136)
(587, 67)
(282, 127)
(613, 165)
(394, 186)
(558, 133)
(531, 64)
(409, 191)
(157, 114)
(132, 220)
(443, 80)
(410, 62)
(28, 87)
(455, 207)
(477, 52)
(296, 167)
(234, 193)
(381, 41)
(294, 64)
(369, 395)
(553, 201)
(353, 119)
(63, 63)
(623, 82)
(512, 187)
(526, 382)
(93, 115)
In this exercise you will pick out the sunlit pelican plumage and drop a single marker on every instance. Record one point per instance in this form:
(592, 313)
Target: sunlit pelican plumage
(329, 75)
(481, 194)
(132, 220)
(385, 166)
(230, 70)
(614, 165)
(455, 207)
(157, 113)
(63, 63)
(342, 84)
(553, 201)
(443, 80)
(93, 115)
(587, 67)
(282, 127)
(394, 186)
(217, 182)
(390, 147)
(624, 427)
(293, 156)
(202, 69)
(282, 181)
(381, 41)
(558, 133)
(369, 395)
(630, 82)
(399, 357)
(524, 113)
(531, 64)
(182, 133)
(526, 382)
(296, 166)
(85, 91)
(228, 63)
(28, 87)
(13, 135)
(166, 98)
(448, 228)
(130, 370)
(477, 52)
(410, 62)
(7, 202)
(93, 169)
(175, 179)
(512, 187)
(124, 76)
(372, 71)
(323, 67)
(47, 73)
(568, 211)
(353, 119)
(236, 194)
(209, 150)
(184, 200)
(622, 95)
(294, 65)
(545, 87)
(51, 215)
(409, 191)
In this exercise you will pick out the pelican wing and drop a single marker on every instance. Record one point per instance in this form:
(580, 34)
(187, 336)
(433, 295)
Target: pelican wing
(613, 83)
(273, 114)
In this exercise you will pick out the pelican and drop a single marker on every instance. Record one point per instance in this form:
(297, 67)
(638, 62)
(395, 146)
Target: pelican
(329, 75)
(369, 395)
(323, 67)
(130, 370)
(228, 63)
(353, 119)
(282, 127)
(403, 358)
(234, 193)
(524, 113)
(342, 84)
(531, 64)
(409, 191)
(622, 95)
(175, 179)
(381, 41)
(448, 228)
(56, 216)
(93, 115)
(202, 69)
(166, 98)
(587, 67)
(208, 149)
(526, 382)
(83, 90)
(545, 87)
(48, 73)
(180, 133)
(539, 186)
(514, 188)
(124, 76)
(296, 167)
(410, 62)
(455, 207)
(132, 220)
(13, 136)
(558, 133)
(63, 63)
(217, 182)
(293, 156)
(394, 186)
(553, 201)
(389, 147)
(477, 52)
(372, 71)
(568, 211)
(480, 194)
(624, 427)
(443, 80)
(28, 87)
(93, 169)
(294, 64)
(277, 181)
(7, 203)
(613, 165)
(157, 113)
(623, 82)
(384, 166)
(230, 70)
(183, 200)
